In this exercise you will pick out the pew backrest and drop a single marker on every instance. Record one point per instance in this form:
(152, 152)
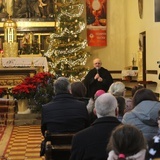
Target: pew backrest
(58, 146)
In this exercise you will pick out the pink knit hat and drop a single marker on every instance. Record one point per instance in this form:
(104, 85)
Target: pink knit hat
(99, 92)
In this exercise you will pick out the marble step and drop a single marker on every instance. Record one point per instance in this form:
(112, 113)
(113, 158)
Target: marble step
(27, 119)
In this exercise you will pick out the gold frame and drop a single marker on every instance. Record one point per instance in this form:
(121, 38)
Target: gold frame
(40, 29)
(43, 41)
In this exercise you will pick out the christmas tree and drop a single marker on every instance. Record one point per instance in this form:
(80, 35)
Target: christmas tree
(67, 53)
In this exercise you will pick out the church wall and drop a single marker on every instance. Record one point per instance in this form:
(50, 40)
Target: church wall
(134, 26)
(123, 28)
(113, 55)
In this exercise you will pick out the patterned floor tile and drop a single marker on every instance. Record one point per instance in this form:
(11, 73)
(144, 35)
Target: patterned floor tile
(24, 143)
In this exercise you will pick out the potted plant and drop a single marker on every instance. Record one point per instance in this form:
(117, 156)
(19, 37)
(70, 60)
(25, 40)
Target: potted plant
(44, 90)
(38, 89)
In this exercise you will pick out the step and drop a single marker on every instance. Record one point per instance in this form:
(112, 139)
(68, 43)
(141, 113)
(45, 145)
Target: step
(27, 119)
(23, 122)
(28, 116)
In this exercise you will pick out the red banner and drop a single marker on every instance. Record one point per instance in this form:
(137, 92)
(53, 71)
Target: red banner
(96, 22)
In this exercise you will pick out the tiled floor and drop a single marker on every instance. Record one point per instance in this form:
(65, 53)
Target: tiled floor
(23, 143)
(4, 139)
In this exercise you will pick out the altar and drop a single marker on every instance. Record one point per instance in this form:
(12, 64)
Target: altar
(14, 70)
(25, 62)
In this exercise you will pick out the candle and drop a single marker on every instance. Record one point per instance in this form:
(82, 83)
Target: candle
(39, 41)
(12, 35)
(8, 35)
(30, 37)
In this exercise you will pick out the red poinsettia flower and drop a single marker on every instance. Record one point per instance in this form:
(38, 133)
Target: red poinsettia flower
(23, 91)
(28, 88)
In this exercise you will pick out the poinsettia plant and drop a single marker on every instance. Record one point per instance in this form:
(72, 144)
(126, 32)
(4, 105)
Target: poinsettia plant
(44, 90)
(23, 91)
(30, 87)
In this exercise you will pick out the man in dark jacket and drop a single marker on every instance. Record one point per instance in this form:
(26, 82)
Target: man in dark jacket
(97, 78)
(64, 113)
(91, 142)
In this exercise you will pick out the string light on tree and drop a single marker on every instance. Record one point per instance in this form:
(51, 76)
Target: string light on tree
(67, 50)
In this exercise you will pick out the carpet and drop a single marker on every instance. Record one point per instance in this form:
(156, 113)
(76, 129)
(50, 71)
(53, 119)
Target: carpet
(24, 143)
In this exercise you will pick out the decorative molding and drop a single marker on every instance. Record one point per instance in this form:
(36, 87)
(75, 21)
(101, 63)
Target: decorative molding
(10, 77)
(34, 26)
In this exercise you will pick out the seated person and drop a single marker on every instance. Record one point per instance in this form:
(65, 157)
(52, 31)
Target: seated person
(154, 144)
(91, 106)
(144, 112)
(91, 142)
(121, 107)
(64, 113)
(78, 91)
(127, 143)
(129, 105)
(117, 89)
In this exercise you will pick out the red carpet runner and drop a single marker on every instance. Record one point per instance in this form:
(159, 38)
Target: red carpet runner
(24, 143)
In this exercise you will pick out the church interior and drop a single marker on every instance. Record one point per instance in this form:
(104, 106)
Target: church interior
(33, 43)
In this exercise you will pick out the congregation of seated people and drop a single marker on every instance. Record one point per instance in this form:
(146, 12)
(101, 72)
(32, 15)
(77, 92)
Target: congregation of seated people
(70, 111)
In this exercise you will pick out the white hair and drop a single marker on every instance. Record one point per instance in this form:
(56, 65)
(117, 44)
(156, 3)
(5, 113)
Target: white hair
(117, 88)
(105, 105)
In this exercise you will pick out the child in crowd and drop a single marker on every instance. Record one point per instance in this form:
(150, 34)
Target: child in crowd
(127, 143)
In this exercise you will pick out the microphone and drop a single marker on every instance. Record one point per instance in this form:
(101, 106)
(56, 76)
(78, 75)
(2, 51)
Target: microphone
(97, 70)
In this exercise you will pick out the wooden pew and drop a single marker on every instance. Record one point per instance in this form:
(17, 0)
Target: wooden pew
(58, 146)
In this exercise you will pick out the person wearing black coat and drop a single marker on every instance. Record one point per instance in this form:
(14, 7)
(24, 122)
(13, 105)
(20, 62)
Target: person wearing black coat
(64, 113)
(97, 78)
(91, 142)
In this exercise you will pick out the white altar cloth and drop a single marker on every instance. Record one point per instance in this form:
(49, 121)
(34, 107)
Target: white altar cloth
(131, 73)
(25, 62)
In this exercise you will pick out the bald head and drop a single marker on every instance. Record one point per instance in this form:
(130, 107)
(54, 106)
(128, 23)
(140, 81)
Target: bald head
(105, 105)
(97, 63)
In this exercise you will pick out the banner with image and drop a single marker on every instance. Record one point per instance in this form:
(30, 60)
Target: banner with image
(96, 11)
